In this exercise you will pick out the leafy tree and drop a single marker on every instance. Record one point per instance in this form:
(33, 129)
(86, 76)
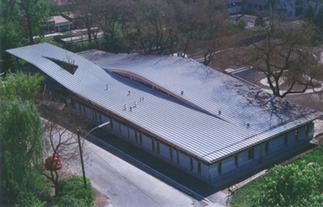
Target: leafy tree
(34, 13)
(20, 21)
(21, 148)
(112, 18)
(11, 34)
(292, 185)
(20, 85)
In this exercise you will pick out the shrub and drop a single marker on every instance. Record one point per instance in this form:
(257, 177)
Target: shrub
(72, 193)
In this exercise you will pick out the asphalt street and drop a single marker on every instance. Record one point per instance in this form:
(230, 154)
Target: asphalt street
(126, 185)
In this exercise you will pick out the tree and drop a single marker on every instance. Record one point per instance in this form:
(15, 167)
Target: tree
(314, 15)
(20, 21)
(11, 34)
(112, 18)
(154, 26)
(292, 185)
(201, 28)
(23, 86)
(61, 141)
(21, 148)
(34, 13)
(63, 145)
(287, 59)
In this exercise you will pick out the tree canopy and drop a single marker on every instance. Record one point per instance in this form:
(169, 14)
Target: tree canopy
(20, 21)
(292, 185)
(21, 148)
(20, 85)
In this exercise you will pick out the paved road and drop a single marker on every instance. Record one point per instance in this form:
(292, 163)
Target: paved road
(128, 186)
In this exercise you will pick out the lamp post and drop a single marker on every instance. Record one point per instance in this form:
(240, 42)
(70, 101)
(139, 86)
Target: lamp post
(80, 148)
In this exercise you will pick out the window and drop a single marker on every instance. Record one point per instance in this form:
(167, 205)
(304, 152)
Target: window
(306, 130)
(286, 140)
(267, 147)
(236, 161)
(220, 167)
(296, 134)
(157, 147)
(191, 163)
(251, 154)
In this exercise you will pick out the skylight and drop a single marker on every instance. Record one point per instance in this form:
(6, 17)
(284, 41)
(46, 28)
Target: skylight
(68, 65)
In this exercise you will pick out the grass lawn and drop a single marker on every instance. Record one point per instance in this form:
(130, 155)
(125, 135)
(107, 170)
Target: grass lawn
(243, 197)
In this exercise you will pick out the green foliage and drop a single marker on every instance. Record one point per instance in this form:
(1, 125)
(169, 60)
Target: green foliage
(300, 183)
(244, 196)
(238, 23)
(20, 85)
(34, 191)
(291, 185)
(73, 193)
(21, 148)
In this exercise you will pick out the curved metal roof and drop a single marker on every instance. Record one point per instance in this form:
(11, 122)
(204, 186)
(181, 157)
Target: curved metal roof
(215, 115)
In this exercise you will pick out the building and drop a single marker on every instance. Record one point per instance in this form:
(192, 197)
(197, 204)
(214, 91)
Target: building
(291, 9)
(58, 23)
(202, 121)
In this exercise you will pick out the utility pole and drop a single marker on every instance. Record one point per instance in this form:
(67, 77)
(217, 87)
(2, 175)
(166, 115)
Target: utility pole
(81, 156)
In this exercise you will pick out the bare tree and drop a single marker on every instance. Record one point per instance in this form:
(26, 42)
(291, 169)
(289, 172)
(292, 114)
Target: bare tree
(201, 27)
(63, 145)
(155, 31)
(60, 124)
(287, 59)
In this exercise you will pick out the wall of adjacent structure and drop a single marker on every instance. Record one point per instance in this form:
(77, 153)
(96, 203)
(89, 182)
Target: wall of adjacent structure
(244, 162)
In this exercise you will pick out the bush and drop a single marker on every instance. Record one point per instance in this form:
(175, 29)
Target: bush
(292, 185)
(34, 192)
(29, 200)
(72, 193)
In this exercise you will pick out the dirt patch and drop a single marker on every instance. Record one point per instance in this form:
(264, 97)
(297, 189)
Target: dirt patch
(100, 199)
(311, 100)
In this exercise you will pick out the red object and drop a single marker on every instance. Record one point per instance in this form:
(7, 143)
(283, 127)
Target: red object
(53, 163)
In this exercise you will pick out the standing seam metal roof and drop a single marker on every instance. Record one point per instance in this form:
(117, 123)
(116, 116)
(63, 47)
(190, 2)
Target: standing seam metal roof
(187, 127)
